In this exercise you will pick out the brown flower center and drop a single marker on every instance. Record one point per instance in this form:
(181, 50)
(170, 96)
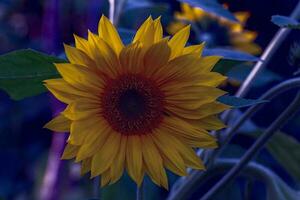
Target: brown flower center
(132, 104)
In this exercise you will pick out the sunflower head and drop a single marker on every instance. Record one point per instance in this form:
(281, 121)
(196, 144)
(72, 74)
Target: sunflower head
(216, 31)
(142, 108)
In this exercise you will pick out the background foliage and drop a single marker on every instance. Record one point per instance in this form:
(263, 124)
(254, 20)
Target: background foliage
(24, 145)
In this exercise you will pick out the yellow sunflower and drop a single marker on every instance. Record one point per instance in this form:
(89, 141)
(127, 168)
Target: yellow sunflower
(233, 34)
(143, 107)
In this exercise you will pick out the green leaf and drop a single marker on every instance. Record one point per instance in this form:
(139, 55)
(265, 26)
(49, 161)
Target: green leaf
(230, 54)
(285, 22)
(237, 102)
(240, 72)
(231, 59)
(224, 66)
(277, 189)
(211, 6)
(286, 150)
(22, 72)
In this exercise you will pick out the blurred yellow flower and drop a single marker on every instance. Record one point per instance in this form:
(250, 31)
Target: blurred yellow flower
(141, 107)
(238, 37)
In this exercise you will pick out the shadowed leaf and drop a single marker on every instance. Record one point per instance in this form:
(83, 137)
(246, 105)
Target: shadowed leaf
(285, 22)
(22, 72)
(230, 54)
(239, 102)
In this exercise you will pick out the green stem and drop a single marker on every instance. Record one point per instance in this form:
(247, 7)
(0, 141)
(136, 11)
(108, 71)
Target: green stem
(140, 192)
(96, 188)
(287, 114)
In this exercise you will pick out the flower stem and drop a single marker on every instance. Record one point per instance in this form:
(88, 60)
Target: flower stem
(140, 192)
(96, 188)
(112, 11)
(118, 11)
(287, 114)
(49, 186)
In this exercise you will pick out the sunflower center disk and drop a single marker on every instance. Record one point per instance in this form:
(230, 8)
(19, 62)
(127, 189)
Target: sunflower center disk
(132, 105)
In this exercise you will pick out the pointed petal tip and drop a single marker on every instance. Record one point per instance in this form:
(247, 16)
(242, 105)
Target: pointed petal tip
(158, 18)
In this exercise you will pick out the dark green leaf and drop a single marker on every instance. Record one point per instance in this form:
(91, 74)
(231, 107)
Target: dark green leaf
(211, 6)
(240, 72)
(285, 22)
(286, 150)
(239, 102)
(22, 72)
(224, 66)
(230, 54)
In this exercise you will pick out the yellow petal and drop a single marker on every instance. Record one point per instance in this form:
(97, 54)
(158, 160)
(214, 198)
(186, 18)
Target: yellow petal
(93, 143)
(105, 57)
(202, 93)
(70, 151)
(109, 34)
(177, 68)
(174, 27)
(207, 63)
(83, 45)
(156, 57)
(184, 129)
(198, 49)
(78, 57)
(178, 41)
(131, 58)
(59, 124)
(145, 33)
(65, 92)
(213, 79)
(196, 111)
(186, 14)
(208, 123)
(171, 158)
(104, 157)
(188, 154)
(242, 17)
(251, 48)
(86, 166)
(82, 109)
(243, 37)
(158, 34)
(79, 77)
(134, 158)
(205, 79)
(80, 129)
(118, 164)
(105, 177)
(153, 161)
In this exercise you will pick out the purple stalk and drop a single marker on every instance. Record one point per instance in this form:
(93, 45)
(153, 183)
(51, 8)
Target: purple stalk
(49, 188)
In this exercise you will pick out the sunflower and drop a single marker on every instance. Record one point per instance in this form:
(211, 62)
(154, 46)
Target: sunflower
(143, 107)
(216, 31)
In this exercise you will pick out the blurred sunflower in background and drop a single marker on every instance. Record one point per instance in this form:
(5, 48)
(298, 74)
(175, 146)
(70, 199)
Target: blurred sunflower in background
(142, 107)
(216, 31)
